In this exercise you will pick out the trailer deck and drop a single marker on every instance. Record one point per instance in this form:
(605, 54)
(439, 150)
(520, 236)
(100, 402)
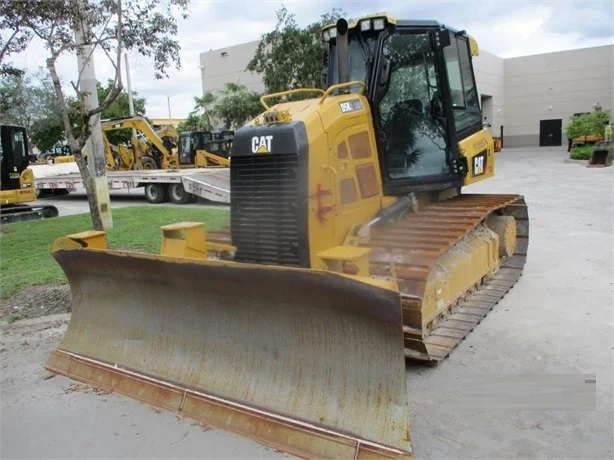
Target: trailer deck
(209, 183)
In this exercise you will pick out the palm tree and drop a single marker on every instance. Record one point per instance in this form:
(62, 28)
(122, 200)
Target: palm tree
(203, 106)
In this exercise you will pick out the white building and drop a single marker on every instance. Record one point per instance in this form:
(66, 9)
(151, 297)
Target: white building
(530, 98)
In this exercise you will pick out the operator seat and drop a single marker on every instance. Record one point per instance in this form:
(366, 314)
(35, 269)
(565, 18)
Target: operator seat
(400, 128)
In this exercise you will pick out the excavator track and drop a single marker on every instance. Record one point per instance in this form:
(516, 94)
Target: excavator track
(420, 241)
(416, 244)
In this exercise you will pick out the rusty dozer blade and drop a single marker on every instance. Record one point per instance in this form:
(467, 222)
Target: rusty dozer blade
(308, 362)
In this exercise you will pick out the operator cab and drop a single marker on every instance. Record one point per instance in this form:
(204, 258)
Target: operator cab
(216, 142)
(422, 92)
(14, 157)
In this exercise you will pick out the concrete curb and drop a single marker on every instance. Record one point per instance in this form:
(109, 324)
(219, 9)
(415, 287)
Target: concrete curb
(569, 160)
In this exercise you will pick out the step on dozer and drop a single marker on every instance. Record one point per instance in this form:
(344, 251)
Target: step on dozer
(305, 361)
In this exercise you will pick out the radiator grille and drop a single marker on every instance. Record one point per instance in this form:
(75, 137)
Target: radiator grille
(266, 219)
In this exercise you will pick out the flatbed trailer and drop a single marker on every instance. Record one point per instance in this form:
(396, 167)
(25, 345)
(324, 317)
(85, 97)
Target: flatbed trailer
(177, 185)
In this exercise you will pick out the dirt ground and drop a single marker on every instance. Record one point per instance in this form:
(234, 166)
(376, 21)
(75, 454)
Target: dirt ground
(36, 301)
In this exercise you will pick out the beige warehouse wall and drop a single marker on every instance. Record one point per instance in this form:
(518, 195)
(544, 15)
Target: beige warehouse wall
(227, 65)
(554, 86)
(517, 92)
(489, 77)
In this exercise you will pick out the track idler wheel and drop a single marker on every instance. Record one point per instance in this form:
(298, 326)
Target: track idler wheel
(505, 228)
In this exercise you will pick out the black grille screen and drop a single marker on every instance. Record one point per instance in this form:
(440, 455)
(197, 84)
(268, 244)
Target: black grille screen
(266, 216)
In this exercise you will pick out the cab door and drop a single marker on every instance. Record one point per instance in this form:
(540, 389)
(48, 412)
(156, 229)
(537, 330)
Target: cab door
(14, 155)
(412, 131)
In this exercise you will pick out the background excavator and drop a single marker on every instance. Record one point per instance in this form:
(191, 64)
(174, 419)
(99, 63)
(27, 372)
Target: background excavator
(17, 180)
(162, 148)
(149, 148)
(351, 248)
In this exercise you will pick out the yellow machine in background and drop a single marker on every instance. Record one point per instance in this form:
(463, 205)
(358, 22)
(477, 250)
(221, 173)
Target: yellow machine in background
(351, 247)
(149, 148)
(17, 180)
(162, 148)
(204, 149)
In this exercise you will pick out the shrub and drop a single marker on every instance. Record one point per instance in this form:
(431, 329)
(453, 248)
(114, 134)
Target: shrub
(587, 124)
(583, 152)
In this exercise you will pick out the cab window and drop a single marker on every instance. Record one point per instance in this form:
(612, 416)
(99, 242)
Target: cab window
(464, 95)
(414, 138)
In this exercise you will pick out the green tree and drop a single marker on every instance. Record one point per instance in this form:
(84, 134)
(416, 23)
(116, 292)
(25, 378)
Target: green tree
(236, 104)
(192, 123)
(147, 26)
(119, 108)
(14, 37)
(587, 124)
(204, 111)
(290, 57)
(28, 99)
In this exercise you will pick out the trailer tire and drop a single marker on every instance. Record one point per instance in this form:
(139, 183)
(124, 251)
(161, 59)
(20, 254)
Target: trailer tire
(156, 193)
(178, 194)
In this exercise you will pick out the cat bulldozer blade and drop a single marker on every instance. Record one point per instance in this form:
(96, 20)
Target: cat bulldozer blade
(351, 248)
(298, 359)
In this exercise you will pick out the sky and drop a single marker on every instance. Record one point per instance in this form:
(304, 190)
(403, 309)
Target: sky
(502, 27)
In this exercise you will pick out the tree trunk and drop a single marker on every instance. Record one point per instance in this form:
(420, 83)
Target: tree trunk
(76, 147)
(90, 190)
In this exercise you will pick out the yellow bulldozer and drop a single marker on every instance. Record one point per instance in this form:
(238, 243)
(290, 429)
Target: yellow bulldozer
(17, 188)
(351, 248)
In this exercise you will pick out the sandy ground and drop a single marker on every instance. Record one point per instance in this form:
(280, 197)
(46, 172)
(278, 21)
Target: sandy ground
(551, 335)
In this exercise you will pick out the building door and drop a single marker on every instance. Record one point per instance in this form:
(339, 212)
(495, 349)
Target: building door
(550, 132)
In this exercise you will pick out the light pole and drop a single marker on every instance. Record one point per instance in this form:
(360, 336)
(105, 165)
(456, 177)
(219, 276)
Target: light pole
(168, 102)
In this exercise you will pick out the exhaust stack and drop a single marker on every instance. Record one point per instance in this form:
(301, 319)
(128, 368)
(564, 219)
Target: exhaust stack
(342, 50)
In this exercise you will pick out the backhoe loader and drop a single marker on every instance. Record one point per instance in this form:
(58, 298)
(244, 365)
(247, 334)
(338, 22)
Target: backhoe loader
(149, 148)
(17, 179)
(162, 148)
(350, 248)
(204, 149)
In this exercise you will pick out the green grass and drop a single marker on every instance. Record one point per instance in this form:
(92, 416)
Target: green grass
(25, 247)
(582, 152)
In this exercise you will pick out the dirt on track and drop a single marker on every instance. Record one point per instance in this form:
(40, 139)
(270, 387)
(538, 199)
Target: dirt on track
(36, 301)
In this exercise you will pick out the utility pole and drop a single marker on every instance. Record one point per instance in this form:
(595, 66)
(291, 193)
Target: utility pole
(131, 109)
(168, 102)
(130, 100)
(96, 162)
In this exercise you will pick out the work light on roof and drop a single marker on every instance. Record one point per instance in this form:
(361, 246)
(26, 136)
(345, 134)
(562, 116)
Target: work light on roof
(332, 32)
(326, 35)
(379, 23)
(365, 25)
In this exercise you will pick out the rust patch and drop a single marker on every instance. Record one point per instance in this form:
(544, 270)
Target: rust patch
(360, 145)
(342, 151)
(367, 180)
(348, 190)
(413, 246)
